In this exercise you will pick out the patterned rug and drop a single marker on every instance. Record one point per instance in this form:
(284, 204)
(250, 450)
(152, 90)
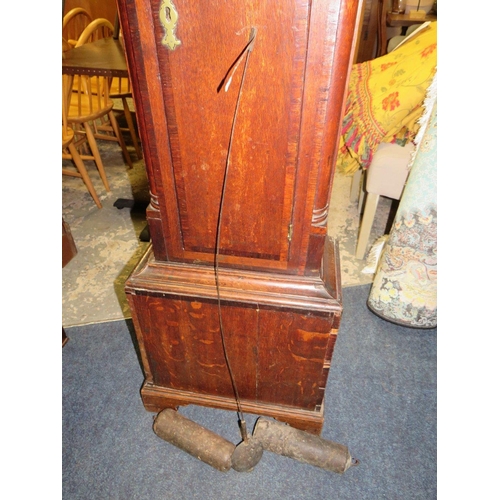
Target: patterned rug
(109, 247)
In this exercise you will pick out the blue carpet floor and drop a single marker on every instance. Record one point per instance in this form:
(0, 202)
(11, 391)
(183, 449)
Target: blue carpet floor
(380, 402)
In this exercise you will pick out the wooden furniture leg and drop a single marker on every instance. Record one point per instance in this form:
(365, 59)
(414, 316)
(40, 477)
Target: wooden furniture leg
(366, 224)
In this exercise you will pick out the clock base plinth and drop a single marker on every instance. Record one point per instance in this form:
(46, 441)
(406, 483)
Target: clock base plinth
(156, 399)
(279, 332)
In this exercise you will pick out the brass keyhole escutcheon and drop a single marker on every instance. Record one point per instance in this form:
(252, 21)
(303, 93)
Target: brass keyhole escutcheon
(168, 17)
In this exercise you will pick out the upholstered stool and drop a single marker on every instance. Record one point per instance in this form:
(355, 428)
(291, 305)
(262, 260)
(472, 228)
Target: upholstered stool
(386, 176)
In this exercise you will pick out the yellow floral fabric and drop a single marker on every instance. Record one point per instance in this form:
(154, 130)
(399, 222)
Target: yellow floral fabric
(385, 98)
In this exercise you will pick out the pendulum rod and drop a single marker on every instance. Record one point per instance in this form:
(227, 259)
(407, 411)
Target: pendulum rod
(245, 54)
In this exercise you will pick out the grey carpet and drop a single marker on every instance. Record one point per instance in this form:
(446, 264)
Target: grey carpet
(380, 402)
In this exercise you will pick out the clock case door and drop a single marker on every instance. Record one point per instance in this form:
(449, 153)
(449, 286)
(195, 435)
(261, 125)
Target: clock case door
(286, 128)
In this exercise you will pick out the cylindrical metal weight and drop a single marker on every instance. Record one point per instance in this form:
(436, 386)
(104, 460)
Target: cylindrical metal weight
(300, 445)
(247, 455)
(194, 439)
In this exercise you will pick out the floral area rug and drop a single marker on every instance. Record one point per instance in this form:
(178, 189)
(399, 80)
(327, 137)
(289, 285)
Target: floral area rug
(109, 245)
(107, 239)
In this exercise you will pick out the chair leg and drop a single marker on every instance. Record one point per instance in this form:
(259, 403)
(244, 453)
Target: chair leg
(366, 224)
(118, 134)
(356, 185)
(362, 191)
(97, 156)
(361, 200)
(131, 128)
(83, 172)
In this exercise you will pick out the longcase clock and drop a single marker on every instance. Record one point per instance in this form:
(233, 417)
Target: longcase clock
(239, 104)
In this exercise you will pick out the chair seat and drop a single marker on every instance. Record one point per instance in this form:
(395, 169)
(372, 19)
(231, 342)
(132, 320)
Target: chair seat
(387, 173)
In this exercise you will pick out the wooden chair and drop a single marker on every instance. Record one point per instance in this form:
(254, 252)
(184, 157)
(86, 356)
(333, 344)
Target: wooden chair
(96, 30)
(69, 151)
(122, 89)
(89, 104)
(74, 23)
(65, 45)
(105, 128)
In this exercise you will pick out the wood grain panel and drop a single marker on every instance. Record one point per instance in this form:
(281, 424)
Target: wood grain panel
(286, 131)
(293, 362)
(199, 113)
(184, 345)
(277, 357)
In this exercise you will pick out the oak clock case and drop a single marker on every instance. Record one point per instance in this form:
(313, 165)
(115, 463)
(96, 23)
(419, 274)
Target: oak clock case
(239, 105)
